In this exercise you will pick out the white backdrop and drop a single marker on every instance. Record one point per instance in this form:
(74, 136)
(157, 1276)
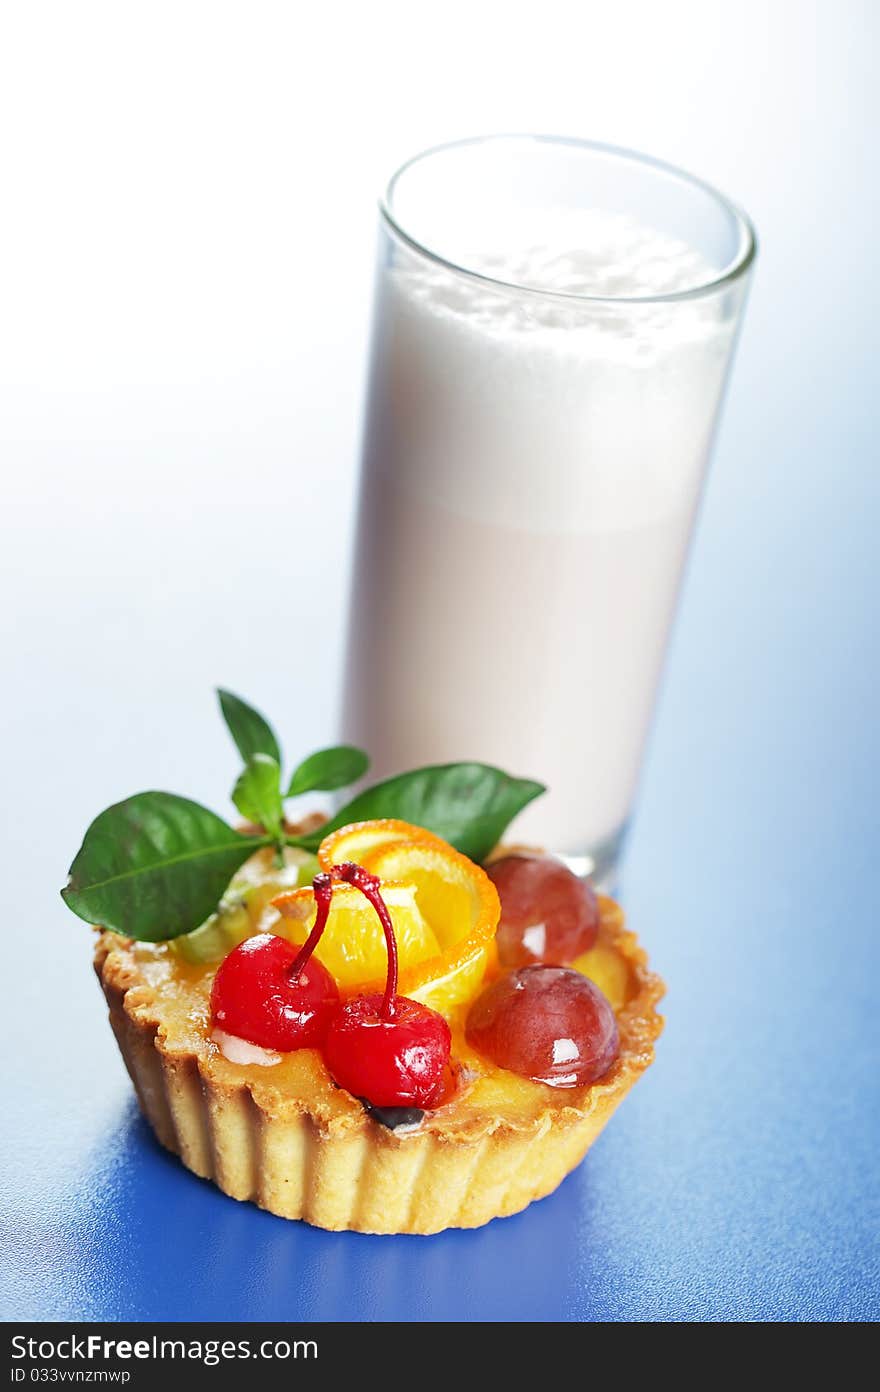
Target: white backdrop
(186, 250)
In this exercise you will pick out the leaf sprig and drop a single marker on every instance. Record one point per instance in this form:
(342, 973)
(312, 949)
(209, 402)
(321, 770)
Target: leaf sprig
(325, 771)
(156, 865)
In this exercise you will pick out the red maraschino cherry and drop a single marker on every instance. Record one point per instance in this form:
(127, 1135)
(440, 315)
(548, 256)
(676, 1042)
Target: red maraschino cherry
(386, 1049)
(275, 994)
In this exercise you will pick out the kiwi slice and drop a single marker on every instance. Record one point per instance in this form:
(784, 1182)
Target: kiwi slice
(238, 914)
(230, 925)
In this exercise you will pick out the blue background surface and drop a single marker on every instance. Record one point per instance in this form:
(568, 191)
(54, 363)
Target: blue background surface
(740, 1179)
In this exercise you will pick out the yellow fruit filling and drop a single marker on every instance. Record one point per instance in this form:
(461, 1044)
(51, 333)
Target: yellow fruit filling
(445, 913)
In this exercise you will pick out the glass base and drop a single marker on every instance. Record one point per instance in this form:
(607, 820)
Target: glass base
(598, 863)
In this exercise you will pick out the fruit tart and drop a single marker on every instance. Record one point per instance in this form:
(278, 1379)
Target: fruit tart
(376, 1023)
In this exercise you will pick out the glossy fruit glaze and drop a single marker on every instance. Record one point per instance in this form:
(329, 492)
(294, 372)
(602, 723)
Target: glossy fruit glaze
(262, 995)
(387, 1049)
(548, 914)
(395, 1061)
(549, 1024)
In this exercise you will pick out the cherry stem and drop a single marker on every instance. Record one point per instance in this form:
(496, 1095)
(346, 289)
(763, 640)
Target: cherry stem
(322, 888)
(369, 887)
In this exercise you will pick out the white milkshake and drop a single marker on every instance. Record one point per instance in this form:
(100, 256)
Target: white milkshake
(532, 467)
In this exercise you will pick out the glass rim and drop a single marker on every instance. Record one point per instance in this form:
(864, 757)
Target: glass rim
(733, 271)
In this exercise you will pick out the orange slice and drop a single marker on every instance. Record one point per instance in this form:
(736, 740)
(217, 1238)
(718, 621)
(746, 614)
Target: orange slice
(360, 839)
(352, 946)
(454, 898)
(453, 893)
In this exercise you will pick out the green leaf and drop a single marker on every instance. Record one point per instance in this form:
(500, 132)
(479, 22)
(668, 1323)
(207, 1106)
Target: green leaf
(155, 866)
(257, 794)
(251, 731)
(469, 805)
(329, 769)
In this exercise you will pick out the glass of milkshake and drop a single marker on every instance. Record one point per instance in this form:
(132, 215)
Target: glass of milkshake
(554, 325)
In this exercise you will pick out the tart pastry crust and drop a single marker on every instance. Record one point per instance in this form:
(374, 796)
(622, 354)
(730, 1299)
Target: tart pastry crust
(287, 1139)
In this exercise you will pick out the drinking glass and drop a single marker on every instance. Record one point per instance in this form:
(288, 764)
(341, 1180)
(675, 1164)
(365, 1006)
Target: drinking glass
(553, 329)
